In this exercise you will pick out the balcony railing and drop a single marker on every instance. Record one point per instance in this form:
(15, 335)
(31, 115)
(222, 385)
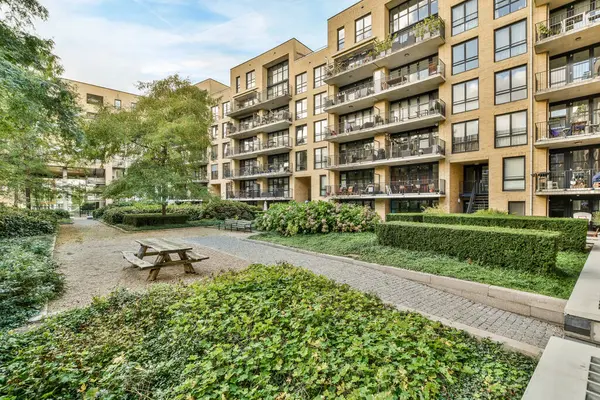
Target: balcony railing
(257, 194)
(424, 187)
(566, 180)
(464, 145)
(580, 17)
(402, 40)
(200, 177)
(258, 170)
(561, 129)
(480, 187)
(303, 166)
(258, 121)
(257, 145)
(434, 107)
(96, 181)
(567, 75)
(257, 98)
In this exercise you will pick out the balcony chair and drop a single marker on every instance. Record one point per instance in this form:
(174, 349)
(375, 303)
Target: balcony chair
(578, 128)
(369, 124)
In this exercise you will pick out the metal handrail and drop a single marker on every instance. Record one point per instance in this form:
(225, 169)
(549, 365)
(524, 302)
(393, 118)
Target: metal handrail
(255, 98)
(392, 188)
(257, 145)
(561, 129)
(558, 24)
(257, 121)
(579, 179)
(257, 194)
(257, 170)
(569, 74)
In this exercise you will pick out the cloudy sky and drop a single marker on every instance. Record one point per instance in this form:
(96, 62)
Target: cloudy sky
(116, 43)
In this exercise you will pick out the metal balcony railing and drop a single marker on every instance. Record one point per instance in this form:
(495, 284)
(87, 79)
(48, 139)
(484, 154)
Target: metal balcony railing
(463, 145)
(566, 180)
(200, 176)
(303, 166)
(257, 98)
(96, 181)
(275, 193)
(480, 187)
(393, 188)
(258, 170)
(580, 17)
(570, 74)
(257, 145)
(562, 129)
(257, 121)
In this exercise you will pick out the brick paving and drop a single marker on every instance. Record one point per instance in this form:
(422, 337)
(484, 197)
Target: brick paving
(396, 290)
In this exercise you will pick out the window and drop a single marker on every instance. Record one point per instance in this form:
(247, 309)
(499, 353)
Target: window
(465, 96)
(513, 174)
(511, 129)
(133, 105)
(301, 108)
(238, 84)
(227, 170)
(341, 38)
(117, 104)
(321, 158)
(250, 79)
(363, 28)
(215, 112)
(225, 129)
(214, 132)
(511, 85)
(464, 17)
(320, 103)
(320, 127)
(465, 136)
(301, 134)
(214, 171)
(465, 56)
(94, 99)
(410, 12)
(505, 7)
(516, 208)
(510, 41)
(226, 108)
(319, 76)
(214, 152)
(301, 160)
(225, 150)
(277, 80)
(323, 185)
(301, 83)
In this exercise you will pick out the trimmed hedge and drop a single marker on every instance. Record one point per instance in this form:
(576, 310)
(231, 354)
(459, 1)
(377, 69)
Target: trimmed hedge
(138, 220)
(522, 249)
(16, 222)
(404, 217)
(573, 231)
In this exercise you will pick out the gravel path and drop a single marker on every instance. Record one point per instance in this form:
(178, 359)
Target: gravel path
(396, 290)
(89, 254)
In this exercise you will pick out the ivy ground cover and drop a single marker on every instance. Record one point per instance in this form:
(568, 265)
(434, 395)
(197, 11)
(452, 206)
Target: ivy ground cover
(276, 332)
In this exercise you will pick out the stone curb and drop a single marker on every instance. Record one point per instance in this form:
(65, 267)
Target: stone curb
(545, 308)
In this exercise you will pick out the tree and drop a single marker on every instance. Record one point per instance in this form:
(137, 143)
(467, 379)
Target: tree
(39, 121)
(165, 136)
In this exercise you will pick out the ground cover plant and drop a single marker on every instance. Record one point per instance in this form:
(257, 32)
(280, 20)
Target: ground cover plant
(28, 278)
(276, 332)
(365, 247)
(15, 222)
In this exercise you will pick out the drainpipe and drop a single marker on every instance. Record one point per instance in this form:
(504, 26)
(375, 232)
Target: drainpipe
(531, 103)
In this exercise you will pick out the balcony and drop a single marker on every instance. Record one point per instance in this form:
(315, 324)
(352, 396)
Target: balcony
(560, 134)
(393, 87)
(259, 171)
(566, 183)
(252, 102)
(401, 120)
(96, 181)
(257, 195)
(569, 82)
(421, 151)
(406, 48)
(416, 189)
(251, 150)
(553, 4)
(557, 35)
(200, 177)
(271, 122)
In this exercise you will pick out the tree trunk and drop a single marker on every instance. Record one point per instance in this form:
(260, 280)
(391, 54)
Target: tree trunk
(164, 209)
(28, 197)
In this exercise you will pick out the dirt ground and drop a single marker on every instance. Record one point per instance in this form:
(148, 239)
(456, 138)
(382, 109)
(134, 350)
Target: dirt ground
(89, 254)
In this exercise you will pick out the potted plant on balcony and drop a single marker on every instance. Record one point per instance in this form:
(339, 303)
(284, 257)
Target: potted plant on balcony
(428, 26)
(543, 31)
(381, 47)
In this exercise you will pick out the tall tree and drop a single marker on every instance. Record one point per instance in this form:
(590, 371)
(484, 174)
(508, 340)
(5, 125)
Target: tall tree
(165, 136)
(40, 116)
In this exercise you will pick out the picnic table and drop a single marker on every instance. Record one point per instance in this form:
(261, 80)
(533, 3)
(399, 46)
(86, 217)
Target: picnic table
(163, 249)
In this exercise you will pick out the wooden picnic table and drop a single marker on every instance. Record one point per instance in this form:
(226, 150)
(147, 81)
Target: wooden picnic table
(163, 249)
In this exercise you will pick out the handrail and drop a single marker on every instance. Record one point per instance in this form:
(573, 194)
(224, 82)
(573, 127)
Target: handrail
(258, 194)
(563, 76)
(257, 145)
(275, 168)
(579, 179)
(580, 17)
(391, 188)
(581, 124)
(255, 98)
(257, 121)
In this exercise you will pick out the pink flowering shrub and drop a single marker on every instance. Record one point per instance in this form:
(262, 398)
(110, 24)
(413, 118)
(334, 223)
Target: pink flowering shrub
(317, 217)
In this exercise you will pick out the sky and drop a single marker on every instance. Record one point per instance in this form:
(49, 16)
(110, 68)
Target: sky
(116, 43)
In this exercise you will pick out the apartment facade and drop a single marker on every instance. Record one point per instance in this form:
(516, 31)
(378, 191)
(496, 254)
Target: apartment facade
(464, 105)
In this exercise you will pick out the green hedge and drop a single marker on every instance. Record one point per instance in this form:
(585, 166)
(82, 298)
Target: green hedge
(510, 248)
(138, 220)
(573, 231)
(404, 217)
(16, 222)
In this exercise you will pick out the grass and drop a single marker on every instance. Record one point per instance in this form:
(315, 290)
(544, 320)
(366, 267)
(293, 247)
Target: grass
(364, 247)
(190, 224)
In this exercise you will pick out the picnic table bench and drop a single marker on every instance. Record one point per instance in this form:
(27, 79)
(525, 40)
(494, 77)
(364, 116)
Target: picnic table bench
(237, 224)
(163, 249)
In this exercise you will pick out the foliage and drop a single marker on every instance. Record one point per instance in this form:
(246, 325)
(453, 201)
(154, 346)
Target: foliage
(317, 217)
(115, 215)
(510, 248)
(265, 333)
(28, 278)
(406, 217)
(437, 209)
(225, 209)
(166, 136)
(492, 212)
(382, 46)
(58, 214)
(138, 220)
(365, 247)
(429, 26)
(16, 222)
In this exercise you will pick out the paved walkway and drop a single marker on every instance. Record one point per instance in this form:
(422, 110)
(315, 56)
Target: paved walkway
(395, 290)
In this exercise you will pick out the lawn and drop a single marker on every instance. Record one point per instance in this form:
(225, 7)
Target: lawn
(276, 332)
(364, 247)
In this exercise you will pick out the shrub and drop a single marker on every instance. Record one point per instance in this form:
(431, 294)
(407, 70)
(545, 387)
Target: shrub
(573, 231)
(492, 212)
(437, 209)
(227, 209)
(115, 215)
(405, 217)
(194, 212)
(510, 248)
(19, 223)
(138, 220)
(317, 217)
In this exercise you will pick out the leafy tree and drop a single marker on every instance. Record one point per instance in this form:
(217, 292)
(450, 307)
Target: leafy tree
(40, 116)
(166, 137)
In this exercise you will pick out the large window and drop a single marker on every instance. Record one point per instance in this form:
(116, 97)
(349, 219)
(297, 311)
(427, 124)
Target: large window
(511, 85)
(341, 39)
(465, 136)
(301, 135)
(513, 174)
(319, 76)
(117, 104)
(214, 171)
(363, 28)
(410, 12)
(320, 103)
(510, 41)
(464, 17)
(215, 113)
(465, 96)
(321, 158)
(320, 130)
(226, 108)
(250, 79)
(238, 84)
(465, 56)
(94, 99)
(301, 160)
(277, 80)
(301, 108)
(323, 185)
(505, 7)
(279, 187)
(516, 208)
(214, 132)
(301, 83)
(511, 129)
(226, 150)
(225, 129)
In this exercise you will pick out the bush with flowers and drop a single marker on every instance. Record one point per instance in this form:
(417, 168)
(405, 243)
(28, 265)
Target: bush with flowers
(289, 219)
